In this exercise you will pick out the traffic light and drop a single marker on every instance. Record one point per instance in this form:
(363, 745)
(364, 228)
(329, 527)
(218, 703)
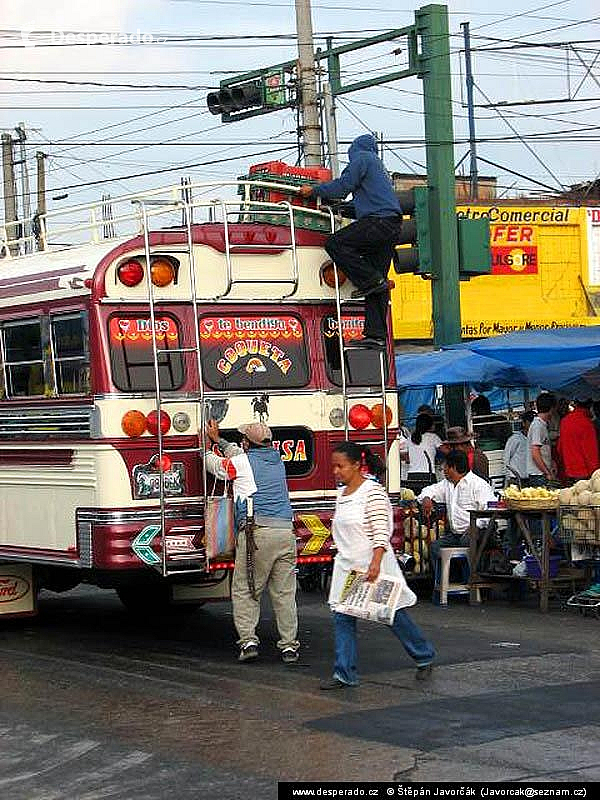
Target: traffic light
(414, 232)
(474, 256)
(254, 93)
(235, 98)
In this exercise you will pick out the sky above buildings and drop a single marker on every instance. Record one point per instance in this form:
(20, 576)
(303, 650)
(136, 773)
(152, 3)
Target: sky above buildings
(114, 118)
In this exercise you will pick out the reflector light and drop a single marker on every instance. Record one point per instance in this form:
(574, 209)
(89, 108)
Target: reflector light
(181, 421)
(377, 415)
(336, 417)
(359, 417)
(162, 272)
(328, 275)
(152, 422)
(133, 423)
(130, 273)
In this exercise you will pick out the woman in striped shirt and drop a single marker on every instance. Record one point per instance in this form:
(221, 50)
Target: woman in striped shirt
(362, 527)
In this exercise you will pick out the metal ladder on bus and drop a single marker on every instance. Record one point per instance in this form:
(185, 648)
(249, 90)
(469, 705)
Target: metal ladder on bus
(383, 372)
(195, 561)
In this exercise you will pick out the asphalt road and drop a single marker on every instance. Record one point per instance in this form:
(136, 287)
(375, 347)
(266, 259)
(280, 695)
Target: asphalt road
(98, 704)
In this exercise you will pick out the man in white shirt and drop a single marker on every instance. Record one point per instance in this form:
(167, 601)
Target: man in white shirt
(461, 491)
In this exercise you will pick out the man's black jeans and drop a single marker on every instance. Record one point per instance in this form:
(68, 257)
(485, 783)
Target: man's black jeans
(363, 251)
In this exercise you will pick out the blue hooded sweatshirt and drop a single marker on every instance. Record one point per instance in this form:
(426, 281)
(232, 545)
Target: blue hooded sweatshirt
(367, 179)
(272, 507)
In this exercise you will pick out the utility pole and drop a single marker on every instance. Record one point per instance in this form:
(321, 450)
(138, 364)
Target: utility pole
(39, 218)
(473, 187)
(331, 129)
(311, 130)
(10, 191)
(25, 203)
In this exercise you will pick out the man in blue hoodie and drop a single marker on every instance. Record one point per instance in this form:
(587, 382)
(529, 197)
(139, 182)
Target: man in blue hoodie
(363, 250)
(257, 471)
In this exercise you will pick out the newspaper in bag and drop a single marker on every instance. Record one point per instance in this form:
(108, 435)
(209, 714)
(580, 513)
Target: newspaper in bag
(377, 601)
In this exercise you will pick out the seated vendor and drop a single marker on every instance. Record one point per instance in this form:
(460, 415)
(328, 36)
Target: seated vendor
(461, 491)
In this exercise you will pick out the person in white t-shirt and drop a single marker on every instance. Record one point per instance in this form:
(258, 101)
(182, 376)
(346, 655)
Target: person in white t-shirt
(540, 466)
(515, 451)
(422, 450)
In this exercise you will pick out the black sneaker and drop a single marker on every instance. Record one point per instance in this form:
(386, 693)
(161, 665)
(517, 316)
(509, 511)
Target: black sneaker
(289, 655)
(372, 288)
(367, 342)
(424, 673)
(248, 652)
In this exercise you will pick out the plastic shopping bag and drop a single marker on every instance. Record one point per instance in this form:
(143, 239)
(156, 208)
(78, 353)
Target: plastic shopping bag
(219, 534)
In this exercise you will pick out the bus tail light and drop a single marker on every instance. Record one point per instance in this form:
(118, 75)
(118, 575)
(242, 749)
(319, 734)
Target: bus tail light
(130, 272)
(162, 464)
(152, 422)
(162, 272)
(377, 415)
(133, 423)
(327, 274)
(359, 417)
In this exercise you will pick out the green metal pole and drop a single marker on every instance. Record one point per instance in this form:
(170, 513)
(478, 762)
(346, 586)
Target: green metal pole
(432, 29)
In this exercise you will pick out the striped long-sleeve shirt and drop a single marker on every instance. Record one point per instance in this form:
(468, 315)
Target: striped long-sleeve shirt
(378, 516)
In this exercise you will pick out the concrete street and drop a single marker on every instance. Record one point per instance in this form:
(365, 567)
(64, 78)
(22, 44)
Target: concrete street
(96, 703)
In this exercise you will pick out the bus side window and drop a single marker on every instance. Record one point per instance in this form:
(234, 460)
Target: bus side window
(23, 358)
(71, 357)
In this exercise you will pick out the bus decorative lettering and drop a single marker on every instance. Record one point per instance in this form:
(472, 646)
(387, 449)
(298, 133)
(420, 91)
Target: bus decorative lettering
(253, 348)
(352, 327)
(248, 329)
(140, 329)
(291, 449)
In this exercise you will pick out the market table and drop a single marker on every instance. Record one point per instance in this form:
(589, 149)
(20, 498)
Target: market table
(478, 538)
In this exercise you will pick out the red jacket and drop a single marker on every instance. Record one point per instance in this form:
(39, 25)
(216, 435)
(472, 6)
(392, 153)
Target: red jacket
(578, 444)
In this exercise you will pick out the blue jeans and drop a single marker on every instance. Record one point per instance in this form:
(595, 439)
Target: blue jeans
(345, 668)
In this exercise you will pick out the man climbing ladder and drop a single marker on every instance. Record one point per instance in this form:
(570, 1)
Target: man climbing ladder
(363, 250)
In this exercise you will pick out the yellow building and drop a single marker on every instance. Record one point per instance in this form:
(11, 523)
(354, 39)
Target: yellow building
(545, 274)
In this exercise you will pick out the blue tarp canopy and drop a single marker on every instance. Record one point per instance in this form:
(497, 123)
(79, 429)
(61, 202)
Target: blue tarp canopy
(566, 360)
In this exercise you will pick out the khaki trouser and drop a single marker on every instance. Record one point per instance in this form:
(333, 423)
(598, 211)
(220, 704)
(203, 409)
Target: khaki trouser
(275, 569)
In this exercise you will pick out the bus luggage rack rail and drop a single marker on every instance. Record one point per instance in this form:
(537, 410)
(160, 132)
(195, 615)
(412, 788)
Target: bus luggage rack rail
(119, 217)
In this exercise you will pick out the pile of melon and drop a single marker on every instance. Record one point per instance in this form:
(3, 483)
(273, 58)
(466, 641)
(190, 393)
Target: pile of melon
(583, 516)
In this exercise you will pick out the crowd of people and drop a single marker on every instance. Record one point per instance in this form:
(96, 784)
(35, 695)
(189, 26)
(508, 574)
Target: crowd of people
(452, 471)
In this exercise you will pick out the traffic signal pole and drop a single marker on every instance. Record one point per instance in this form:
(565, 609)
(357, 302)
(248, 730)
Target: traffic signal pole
(432, 28)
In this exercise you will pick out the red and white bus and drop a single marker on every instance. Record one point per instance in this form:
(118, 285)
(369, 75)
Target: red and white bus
(116, 350)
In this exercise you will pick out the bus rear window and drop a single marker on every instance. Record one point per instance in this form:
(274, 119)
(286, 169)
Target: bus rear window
(131, 353)
(253, 351)
(362, 365)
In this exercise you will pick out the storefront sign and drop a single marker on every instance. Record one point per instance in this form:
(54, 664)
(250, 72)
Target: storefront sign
(593, 237)
(481, 328)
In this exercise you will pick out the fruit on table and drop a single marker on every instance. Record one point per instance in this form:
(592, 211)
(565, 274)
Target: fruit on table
(530, 493)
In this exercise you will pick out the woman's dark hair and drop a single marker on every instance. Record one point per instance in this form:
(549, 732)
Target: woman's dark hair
(480, 405)
(362, 454)
(423, 424)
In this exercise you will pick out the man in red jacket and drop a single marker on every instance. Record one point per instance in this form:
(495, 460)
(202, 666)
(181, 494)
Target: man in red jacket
(577, 442)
